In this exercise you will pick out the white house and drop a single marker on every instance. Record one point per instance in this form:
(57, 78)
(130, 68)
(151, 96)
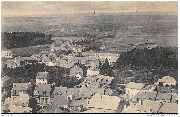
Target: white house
(6, 54)
(167, 80)
(133, 88)
(92, 71)
(42, 78)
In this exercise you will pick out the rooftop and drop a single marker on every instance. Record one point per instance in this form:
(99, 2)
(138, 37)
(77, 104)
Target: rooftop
(21, 86)
(42, 75)
(104, 102)
(167, 79)
(169, 108)
(134, 85)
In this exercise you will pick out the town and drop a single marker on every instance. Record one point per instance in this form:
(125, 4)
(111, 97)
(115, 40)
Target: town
(89, 90)
(89, 57)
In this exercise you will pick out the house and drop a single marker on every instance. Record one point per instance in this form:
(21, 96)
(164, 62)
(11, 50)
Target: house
(103, 104)
(76, 71)
(22, 61)
(73, 93)
(88, 92)
(42, 78)
(166, 81)
(64, 63)
(111, 57)
(144, 95)
(19, 102)
(149, 106)
(164, 97)
(60, 40)
(92, 71)
(169, 108)
(88, 54)
(76, 48)
(60, 91)
(10, 63)
(133, 88)
(61, 101)
(6, 54)
(49, 59)
(52, 109)
(43, 94)
(21, 88)
(19, 109)
(79, 105)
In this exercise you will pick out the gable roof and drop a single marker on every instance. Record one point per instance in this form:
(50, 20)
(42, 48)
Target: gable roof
(60, 100)
(21, 86)
(167, 79)
(42, 75)
(146, 95)
(169, 108)
(60, 90)
(71, 91)
(163, 96)
(79, 102)
(104, 102)
(149, 105)
(134, 85)
(41, 88)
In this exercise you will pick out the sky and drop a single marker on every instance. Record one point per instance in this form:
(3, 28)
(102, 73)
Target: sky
(17, 8)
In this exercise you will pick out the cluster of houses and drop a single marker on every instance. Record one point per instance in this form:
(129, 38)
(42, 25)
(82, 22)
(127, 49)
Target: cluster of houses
(93, 94)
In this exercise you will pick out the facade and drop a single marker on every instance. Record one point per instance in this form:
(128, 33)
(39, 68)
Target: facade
(6, 54)
(92, 71)
(42, 78)
(43, 94)
(20, 88)
(103, 104)
(133, 88)
(166, 80)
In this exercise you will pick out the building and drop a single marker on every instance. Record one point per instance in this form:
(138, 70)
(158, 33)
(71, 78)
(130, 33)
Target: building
(76, 71)
(21, 88)
(60, 91)
(92, 71)
(20, 102)
(169, 108)
(43, 94)
(22, 61)
(42, 78)
(73, 93)
(10, 63)
(103, 104)
(166, 81)
(133, 88)
(79, 105)
(64, 63)
(76, 48)
(111, 57)
(6, 54)
(60, 40)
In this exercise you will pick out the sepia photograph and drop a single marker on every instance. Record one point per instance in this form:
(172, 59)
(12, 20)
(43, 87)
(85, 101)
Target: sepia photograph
(89, 57)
